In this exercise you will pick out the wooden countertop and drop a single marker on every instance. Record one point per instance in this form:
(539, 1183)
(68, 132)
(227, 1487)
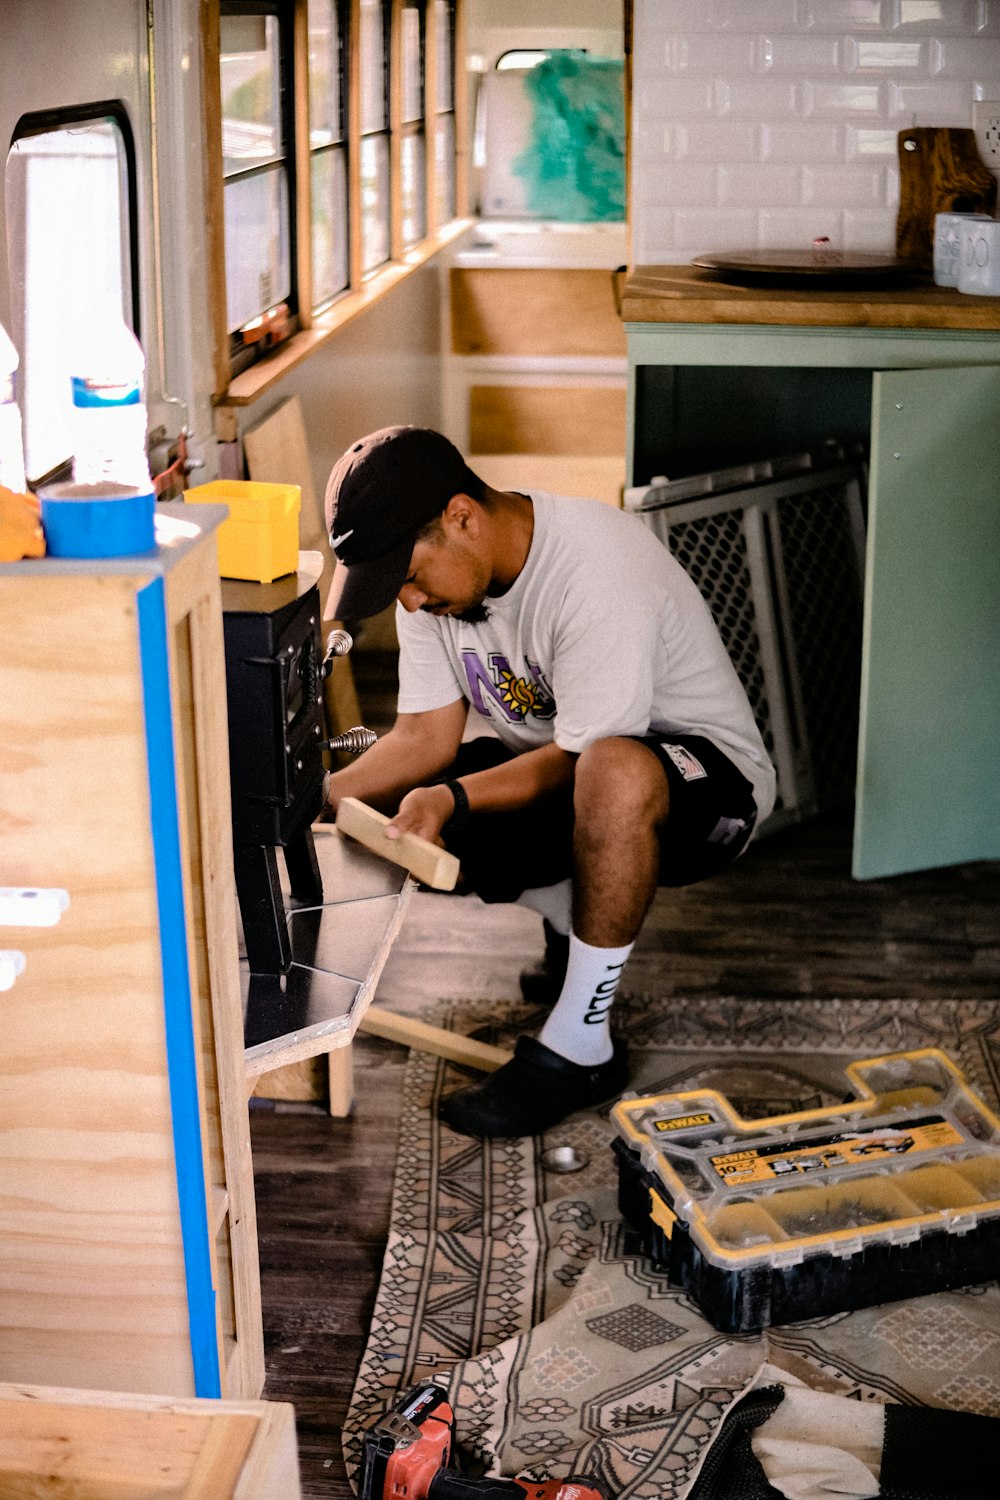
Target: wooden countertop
(686, 294)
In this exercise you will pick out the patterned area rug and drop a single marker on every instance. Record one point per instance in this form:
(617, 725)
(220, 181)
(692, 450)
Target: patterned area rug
(564, 1350)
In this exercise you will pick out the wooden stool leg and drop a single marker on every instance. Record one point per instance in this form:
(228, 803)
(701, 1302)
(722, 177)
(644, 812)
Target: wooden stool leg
(340, 1062)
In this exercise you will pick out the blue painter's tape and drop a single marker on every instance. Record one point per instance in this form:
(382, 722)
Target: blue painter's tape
(181, 1059)
(94, 521)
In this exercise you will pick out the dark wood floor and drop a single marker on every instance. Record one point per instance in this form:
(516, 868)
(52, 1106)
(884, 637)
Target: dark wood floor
(787, 922)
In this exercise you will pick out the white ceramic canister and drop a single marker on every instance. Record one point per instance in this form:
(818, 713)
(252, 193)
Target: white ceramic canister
(980, 269)
(948, 245)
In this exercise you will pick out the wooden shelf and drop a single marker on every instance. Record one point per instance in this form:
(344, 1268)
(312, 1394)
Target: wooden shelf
(685, 294)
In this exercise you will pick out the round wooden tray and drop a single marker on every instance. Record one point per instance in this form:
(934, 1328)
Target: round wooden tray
(820, 264)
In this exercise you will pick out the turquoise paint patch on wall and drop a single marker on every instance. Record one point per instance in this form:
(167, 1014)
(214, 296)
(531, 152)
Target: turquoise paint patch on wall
(574, 168)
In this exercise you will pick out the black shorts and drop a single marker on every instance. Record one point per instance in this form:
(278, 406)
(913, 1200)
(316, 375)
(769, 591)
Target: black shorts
(712, 816)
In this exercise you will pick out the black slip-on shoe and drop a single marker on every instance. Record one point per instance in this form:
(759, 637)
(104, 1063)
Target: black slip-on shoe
(542, 986)
(533, 1092)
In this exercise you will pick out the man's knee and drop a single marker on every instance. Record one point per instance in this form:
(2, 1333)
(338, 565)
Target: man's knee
(620, 780)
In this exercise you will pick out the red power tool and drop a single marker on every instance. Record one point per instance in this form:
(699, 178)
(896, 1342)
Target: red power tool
(406, 1454)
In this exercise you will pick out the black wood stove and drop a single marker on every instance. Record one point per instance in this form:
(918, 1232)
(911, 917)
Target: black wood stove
(275, 670)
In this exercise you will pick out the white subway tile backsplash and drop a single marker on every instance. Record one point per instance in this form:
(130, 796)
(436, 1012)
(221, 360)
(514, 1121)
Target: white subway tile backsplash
(657, 53)
(761, 123)
(671, 99)
(846, 15)
(803, 141)
(977, 58)
(757, 15)
(715, 56)
(654, 238)
(795, 229)
(846, 100)
(683, 15)
(871, 143)
(750, 186)
(937, 17)
(930, 103)
(989, 18)
(722, 229)
(846, 187)
(717, 141)
(759, 99)
(680, 186)
(802, 54)
(653, 142)
(870, 233)
(891, 56)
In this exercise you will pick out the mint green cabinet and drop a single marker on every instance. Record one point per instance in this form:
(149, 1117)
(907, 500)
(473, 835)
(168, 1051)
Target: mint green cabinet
(929, 741)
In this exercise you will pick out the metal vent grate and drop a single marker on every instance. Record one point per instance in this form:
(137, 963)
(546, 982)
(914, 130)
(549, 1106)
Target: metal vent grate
(780, 567)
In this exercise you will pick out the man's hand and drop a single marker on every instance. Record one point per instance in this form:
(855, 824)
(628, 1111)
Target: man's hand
(424, 811)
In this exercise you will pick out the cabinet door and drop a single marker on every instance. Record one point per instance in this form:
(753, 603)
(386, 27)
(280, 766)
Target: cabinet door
(929, 745)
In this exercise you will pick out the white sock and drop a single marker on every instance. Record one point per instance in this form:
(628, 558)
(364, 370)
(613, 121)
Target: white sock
(578, 1027)
(551, 902)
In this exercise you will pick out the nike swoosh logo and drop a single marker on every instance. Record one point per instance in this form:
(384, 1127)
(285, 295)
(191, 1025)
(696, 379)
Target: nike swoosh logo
(335, 541)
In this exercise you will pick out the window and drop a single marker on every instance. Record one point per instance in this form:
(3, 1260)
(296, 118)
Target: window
(413, 139)
(445, 135)
(374, 52)
(255, 162)
(73, 167)
(328, 22)
(521, 57)
(340, 135)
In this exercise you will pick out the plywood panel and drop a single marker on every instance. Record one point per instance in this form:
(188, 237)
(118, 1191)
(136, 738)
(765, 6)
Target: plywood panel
(91, 1256)
(595, 477)
(203, 740)
(582, 419)
(57, 1442)
(503, 310)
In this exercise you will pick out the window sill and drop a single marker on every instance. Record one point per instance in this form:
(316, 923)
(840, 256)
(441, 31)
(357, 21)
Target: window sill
(249, 385)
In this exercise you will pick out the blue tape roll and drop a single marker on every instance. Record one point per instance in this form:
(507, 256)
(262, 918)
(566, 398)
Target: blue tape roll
(90, 520)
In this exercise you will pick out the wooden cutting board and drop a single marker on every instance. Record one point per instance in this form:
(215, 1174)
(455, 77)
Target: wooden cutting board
(940, 171)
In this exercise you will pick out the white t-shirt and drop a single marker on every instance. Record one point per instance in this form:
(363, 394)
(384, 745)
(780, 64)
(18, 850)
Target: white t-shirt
(602, 633)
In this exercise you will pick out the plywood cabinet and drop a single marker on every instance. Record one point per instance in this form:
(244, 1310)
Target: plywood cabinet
(128, 1250)
(535, 388)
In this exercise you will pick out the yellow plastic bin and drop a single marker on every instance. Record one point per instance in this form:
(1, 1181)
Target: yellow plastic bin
(259, 540)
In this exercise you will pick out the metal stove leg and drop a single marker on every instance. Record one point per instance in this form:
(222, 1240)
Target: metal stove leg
(258, 887)
(303, 868)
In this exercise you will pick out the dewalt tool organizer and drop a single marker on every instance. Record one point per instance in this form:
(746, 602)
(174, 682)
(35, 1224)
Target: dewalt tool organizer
(893, 1194)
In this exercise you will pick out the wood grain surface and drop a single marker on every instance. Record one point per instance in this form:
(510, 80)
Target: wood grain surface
(685, 294)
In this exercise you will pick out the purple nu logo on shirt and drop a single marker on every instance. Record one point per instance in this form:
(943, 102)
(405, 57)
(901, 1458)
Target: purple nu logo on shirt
(515, 697)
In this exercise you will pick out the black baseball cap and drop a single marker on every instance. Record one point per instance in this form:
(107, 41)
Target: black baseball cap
(380, 494)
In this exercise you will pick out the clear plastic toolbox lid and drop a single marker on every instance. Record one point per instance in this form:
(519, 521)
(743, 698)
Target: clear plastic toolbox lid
(916, 1149)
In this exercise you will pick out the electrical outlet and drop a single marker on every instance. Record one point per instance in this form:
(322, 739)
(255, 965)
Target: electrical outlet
(986, 124)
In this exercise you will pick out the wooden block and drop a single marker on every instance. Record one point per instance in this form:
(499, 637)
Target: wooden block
(299, 1081)
(433, 1039)
(425, 861)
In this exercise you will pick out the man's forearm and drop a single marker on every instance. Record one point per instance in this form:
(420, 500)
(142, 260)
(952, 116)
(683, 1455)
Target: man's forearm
(393, 766)
(519, 782)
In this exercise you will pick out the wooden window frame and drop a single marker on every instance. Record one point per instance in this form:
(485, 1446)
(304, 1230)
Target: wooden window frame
(316, 329)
